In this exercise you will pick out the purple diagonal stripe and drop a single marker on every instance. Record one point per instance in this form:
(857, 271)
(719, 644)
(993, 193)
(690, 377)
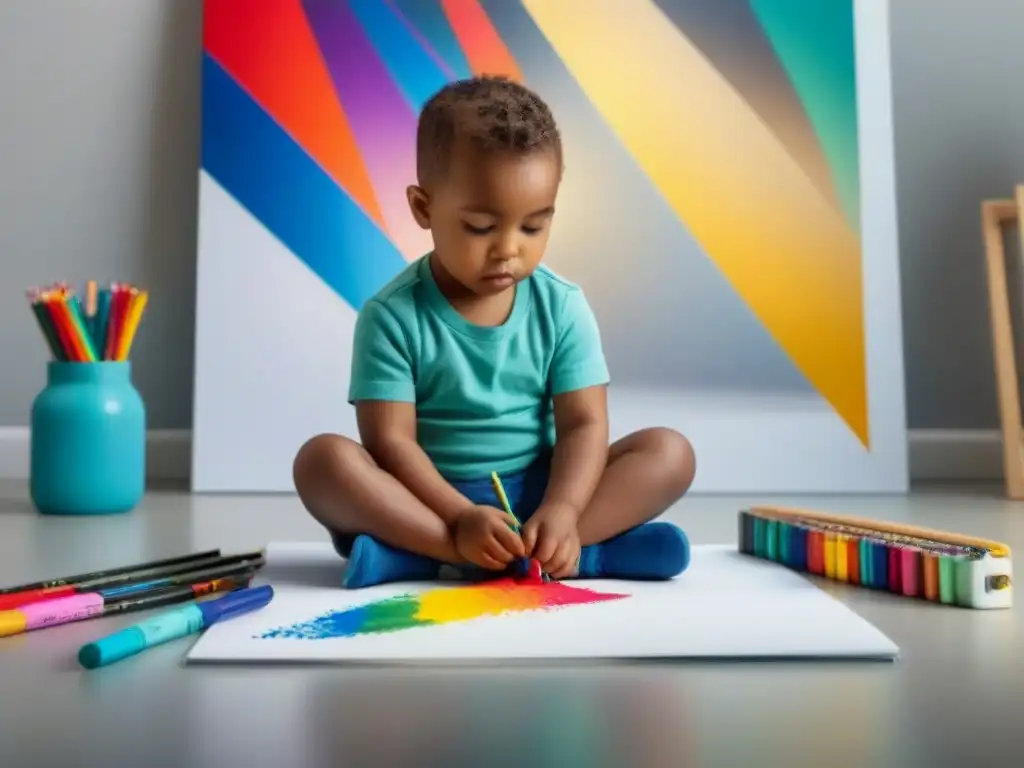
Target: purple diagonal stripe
(383, 124)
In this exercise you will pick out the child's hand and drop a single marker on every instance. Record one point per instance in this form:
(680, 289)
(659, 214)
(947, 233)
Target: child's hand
(483, 537)
(551, 538)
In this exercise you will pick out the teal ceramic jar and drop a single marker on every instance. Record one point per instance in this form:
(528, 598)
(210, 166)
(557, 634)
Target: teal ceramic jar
(88, 440)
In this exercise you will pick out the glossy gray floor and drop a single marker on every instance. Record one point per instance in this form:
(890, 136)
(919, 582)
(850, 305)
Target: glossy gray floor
(955, 697)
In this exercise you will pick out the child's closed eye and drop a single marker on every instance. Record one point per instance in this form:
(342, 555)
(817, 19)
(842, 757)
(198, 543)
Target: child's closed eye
(473, 230)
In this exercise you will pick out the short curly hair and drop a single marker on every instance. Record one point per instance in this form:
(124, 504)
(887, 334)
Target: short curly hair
(495, 113)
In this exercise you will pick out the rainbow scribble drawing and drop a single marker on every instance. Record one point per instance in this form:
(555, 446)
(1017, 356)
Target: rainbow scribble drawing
(440, 606)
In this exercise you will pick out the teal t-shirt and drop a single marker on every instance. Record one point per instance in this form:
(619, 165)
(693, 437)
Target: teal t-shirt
(483, 394)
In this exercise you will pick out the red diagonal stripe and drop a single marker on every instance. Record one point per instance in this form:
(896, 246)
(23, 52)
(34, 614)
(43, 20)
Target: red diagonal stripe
(270, 50)
(485, 51)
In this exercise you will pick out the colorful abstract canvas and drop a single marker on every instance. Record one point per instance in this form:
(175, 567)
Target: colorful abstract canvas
(728, 208)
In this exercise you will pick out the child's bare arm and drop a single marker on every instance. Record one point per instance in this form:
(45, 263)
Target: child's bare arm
(581, 447)
(388, 432)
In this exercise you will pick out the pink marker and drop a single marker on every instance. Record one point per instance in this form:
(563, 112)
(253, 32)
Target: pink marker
(48, 613)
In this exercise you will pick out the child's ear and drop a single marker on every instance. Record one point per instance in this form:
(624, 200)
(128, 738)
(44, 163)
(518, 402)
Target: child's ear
(419, 204)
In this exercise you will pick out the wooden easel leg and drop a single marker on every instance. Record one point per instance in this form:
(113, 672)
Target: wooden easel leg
(993, 214)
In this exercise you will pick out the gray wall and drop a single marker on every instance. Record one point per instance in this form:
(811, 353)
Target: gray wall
(99, 143)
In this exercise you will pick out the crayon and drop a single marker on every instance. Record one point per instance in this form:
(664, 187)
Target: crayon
(746, 533)
(759, 535)
(771, 540)
(65, 581)
(895, 582)
(930, 572)
(802, 539)
(784, 539)
(842, 566)
(830, 555)
(88, 605)
(880, 566)
(947, 580)
(853, 560)
(910, 565)
(149, 576)
(172, 625)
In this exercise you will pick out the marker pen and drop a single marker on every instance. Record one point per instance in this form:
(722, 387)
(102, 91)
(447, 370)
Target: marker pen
(172, 625)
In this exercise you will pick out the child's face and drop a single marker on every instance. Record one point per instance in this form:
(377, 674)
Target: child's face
(490, 216)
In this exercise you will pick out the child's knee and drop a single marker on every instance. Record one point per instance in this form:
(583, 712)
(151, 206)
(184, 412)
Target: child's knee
(322, 463)
(676, 455)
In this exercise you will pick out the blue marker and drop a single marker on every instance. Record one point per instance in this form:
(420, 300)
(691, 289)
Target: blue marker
(172, 626)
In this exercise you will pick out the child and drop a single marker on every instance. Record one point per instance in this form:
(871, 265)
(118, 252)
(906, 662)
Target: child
(477, 359)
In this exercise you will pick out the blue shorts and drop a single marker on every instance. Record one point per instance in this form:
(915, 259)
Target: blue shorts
(525, 491)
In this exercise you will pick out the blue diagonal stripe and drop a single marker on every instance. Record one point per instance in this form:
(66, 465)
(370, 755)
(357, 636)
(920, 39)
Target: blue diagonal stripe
(249, 155)
(416, 73)
(429, 19)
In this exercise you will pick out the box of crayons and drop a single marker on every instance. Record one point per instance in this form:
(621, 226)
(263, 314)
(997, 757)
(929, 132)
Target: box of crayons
(101, 330)
(937, 566)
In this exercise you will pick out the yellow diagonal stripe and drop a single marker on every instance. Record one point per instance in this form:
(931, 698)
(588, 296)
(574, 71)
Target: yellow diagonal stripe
(784, 249)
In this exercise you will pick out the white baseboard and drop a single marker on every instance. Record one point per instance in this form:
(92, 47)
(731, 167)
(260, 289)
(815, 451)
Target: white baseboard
(168, 453)
(935, 454)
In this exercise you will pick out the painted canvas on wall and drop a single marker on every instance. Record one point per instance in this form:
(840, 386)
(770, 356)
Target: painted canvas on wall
(728, 208)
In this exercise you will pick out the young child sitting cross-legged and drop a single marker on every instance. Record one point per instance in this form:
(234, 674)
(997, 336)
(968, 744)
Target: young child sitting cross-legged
(476, 359)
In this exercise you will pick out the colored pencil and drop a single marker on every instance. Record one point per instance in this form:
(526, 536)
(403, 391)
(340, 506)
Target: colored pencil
(134, 314)
(49, 331)
(90, 605)
(532, 569)
(65, 581)
(100, 324)
(101, 330)
(132, 580)
(499, 489)
(219, 570)
(937, 566)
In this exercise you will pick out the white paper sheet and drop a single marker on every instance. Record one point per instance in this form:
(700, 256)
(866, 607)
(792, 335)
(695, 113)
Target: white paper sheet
(726, 605)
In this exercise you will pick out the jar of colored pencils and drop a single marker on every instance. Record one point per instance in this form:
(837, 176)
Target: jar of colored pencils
(88, 425)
